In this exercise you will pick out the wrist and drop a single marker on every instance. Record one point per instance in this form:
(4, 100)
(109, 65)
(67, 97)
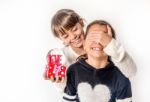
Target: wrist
(107, 42)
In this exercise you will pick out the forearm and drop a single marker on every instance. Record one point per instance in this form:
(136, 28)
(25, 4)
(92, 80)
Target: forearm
(121, 58)
(60, 87)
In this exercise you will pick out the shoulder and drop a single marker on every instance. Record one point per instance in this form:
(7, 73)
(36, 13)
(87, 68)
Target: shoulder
(121, 79)
(118, 76)
(73, 67)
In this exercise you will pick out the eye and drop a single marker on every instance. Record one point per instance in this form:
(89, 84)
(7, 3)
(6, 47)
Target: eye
(65, 36)
(74, 29)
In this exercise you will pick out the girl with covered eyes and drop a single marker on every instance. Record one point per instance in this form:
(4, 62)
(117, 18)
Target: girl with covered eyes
(68, 26)
(94, 77)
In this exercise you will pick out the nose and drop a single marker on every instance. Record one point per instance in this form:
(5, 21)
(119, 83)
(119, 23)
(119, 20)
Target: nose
(97, 43)
(73, 36)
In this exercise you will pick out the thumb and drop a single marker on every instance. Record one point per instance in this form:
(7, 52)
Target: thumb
(109, 30)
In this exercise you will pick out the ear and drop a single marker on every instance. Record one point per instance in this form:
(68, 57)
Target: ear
(81, 22)
(109, 30)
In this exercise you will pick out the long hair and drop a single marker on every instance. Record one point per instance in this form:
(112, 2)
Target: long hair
(64, 19)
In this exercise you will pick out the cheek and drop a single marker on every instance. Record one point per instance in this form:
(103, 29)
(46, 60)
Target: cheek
(66, 41)
(87, 46)
(80, 31)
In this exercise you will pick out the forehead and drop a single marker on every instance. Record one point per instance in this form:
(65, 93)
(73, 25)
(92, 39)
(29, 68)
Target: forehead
(64, 31)
(98, 27)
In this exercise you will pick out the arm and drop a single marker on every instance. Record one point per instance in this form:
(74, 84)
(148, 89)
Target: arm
(58, 82)
(123, 93)
(121, 58)
(114, 49)
(69, 94)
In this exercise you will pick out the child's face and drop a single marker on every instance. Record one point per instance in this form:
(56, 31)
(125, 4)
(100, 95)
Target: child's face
(74, 37)
(92, 48)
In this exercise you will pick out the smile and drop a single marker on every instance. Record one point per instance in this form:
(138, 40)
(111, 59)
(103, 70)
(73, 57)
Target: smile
(96, 49)
(77, 40)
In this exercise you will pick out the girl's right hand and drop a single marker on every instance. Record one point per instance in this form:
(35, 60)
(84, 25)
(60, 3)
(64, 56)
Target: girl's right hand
(55, 57)
(54, 79)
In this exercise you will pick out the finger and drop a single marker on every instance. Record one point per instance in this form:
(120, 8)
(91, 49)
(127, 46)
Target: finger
(93, 36)
(109, 30)
(99, 35)
(93, 40)
(52, 79)
(95, 32)
(62, 79)
(57, 79)
(45, 77)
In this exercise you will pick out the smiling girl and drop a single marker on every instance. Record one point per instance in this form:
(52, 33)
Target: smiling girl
(94, 77)
(67, 25)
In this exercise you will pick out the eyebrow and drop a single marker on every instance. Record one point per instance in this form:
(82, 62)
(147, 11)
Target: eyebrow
(75, 26)
(62, 32)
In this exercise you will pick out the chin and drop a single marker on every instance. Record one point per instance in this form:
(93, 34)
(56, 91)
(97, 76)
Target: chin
(98, 56)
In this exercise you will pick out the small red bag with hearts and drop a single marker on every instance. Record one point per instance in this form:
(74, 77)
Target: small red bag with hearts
(55, 64)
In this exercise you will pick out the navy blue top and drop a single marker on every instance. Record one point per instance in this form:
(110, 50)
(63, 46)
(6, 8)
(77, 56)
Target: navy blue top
(85, 83)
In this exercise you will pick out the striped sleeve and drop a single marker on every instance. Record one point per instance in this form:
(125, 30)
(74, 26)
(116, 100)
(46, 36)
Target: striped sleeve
(125, 100)
(69, 98)
(124, 93)
(69, 94)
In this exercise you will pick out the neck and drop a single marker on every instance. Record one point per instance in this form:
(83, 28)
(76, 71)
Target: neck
(79, 51)
(97, 62)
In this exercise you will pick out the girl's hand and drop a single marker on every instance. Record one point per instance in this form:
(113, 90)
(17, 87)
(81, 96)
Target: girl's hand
(55, 79)
(100, 37)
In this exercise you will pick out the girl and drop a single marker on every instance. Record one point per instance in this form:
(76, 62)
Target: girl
(67, 25)
(95, 78)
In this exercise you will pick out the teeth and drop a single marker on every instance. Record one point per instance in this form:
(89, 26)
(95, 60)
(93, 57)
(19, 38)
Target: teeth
(96, 49)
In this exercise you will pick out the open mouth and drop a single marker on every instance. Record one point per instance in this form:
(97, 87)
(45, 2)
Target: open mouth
(97, 49)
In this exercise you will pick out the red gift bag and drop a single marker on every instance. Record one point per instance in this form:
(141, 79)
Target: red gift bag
(55, 64)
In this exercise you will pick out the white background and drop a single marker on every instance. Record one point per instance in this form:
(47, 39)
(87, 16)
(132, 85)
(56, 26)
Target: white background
(25, 39)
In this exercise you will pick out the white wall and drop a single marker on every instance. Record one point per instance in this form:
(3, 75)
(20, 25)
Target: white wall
(25, 38)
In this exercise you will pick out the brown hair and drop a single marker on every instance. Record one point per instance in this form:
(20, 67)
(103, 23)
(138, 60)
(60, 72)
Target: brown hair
(100, 22)
(64, 19)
